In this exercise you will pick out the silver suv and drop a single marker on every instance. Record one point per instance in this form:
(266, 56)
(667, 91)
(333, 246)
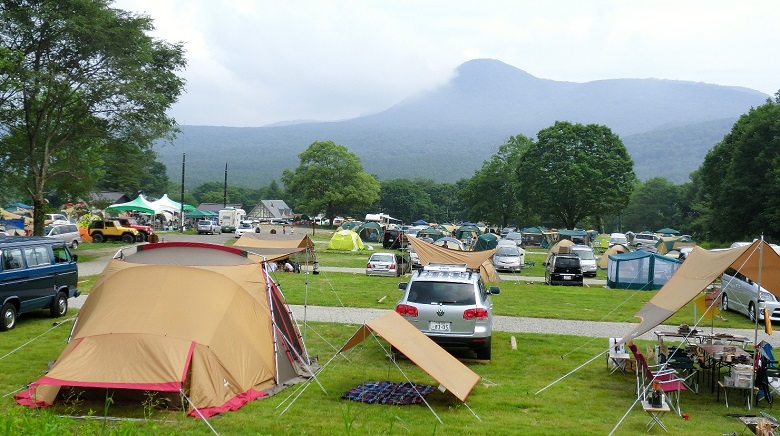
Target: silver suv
(451, 305)
(740, 294)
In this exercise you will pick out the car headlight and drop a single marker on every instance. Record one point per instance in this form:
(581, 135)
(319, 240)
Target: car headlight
(767, 296)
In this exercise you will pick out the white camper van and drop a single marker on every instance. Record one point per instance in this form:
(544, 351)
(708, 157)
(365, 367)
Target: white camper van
(230, 218)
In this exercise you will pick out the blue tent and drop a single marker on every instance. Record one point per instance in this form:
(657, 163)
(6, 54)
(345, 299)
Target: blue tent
(19, 205)
(640, 270)
(420, 223)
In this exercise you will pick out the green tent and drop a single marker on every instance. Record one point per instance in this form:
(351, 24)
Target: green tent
(345, 240)
(139, 205)
(200, 214)
(369, 232)
(466, 232)
(486, 241)
(432, 233)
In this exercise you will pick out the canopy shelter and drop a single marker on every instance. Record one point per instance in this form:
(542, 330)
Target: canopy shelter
(666, 231)
(179, 319)
(454, 376)
(420, 223)
(432, 233)
(199, 214)
(140, 204)
(279, 246)
(640, 270)
(473, 259)
(166, 204)
(757, 261)
(467, 231)
(615, 249)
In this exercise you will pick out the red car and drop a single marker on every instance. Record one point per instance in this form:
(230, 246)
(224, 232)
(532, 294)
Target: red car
(143, 231)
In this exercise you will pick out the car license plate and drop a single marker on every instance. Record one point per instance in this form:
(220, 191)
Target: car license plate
(567, 277)
(439, 326)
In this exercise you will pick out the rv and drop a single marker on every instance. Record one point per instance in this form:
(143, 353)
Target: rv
(230, 218)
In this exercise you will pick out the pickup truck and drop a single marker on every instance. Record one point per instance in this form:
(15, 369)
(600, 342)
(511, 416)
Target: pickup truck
(206, 226)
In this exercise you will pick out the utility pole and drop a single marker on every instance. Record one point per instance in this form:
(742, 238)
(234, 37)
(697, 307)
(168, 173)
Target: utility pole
(181, 212)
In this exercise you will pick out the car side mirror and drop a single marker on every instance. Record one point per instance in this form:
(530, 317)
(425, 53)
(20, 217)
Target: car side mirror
(75, 257)
(494, 290)
(402, 286)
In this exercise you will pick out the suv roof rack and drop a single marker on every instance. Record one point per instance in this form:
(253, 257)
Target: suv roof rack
(434, 266)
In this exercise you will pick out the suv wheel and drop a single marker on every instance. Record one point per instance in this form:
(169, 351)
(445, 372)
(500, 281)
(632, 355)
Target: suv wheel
(8, 316)
(98, 237)
(752, 311)
(128, 238)
(724, 302)
(483, 352)
(74, 245)
(59, 307)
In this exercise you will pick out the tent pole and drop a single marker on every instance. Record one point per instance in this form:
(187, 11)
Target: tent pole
(755, 331)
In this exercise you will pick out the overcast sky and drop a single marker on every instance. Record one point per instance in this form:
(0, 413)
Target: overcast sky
(255, 62)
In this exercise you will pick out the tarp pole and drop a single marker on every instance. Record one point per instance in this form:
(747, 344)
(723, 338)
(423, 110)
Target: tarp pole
(756, 357)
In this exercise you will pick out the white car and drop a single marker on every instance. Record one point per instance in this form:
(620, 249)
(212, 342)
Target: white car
(509, 258)
(244, 228)
(618, 238)
(587, 259)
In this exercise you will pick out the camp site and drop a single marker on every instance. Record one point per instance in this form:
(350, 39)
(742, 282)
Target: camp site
(323, 350)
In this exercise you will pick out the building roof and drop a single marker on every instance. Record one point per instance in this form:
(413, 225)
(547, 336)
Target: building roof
(271, 209)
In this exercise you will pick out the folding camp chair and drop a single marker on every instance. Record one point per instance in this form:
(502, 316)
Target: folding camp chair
(686, 367)
(657, 377)
(767, 373)
(617, 356)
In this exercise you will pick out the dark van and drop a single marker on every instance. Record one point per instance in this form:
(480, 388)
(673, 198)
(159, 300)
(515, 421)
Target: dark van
(35, 273)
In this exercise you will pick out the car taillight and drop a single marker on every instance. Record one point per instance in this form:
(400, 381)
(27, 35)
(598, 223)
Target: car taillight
(368, 265)
(392, 266)
(478, 313)
(406, 310)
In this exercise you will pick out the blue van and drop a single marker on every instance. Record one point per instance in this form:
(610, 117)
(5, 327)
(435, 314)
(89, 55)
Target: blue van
(35, 273)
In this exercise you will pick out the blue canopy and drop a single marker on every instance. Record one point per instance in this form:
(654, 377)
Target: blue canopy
(420, 223)
(19, 205)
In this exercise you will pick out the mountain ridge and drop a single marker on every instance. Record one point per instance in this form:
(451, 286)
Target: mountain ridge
(463, 122)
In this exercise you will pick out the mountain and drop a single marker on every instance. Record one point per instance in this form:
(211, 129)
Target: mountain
(447, 132)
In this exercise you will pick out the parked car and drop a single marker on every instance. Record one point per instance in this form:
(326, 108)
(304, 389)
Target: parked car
(244, 227)
(110, 229)
(451, 305)
(144, 231)
(563, 269)
(394, 239)
(740, 294)
(618, 239)
(209, 227)
(68, 233)
(587, 259)
(414, 258)
(35, 273)
(509, 258)
(388, 264)
(517, 237)
(645, 240)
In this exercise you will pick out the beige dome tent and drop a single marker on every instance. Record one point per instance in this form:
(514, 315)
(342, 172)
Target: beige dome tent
(181, 319)
(615, 249)
(561, 246)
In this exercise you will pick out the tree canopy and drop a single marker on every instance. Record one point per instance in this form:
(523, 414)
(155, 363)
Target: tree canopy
(76, 78)
(738, 184)
(574, 171)
(330, 179)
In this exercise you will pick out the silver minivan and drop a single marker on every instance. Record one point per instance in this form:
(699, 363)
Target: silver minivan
(587, 259)
(740, 294)
(68, 233)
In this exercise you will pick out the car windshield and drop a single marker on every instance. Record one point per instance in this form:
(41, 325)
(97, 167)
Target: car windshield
(441, 293)
(508, 251)
(382, 258)
(567, 262)
(47, 230)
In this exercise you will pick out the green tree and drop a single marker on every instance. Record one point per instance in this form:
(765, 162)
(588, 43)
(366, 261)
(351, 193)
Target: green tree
(574, 171)
(330, 179)
(656, 203)
(499, 178)
(132, 169)
(739, 184)
(404, 199)
(77, 77)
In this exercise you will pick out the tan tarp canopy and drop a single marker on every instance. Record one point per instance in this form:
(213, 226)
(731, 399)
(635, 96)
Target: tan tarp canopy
(561, 246)
(428, 253)
(615, 249)
(275, 247)
(204, 328)
(700, 269)
(420, 349)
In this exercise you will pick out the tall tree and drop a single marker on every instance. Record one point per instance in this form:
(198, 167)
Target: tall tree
(77, 76)
(655, 204)
(499, 178)
(404, 199)
(739, 181)
(574, 171)
(330, 179)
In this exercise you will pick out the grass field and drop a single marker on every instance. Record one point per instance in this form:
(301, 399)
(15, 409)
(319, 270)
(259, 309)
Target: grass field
(590, 401)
